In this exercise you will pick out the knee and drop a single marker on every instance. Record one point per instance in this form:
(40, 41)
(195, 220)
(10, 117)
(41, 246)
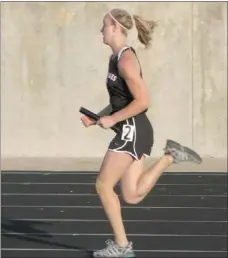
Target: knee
(131, 198)
(102, 187)
(99, 186)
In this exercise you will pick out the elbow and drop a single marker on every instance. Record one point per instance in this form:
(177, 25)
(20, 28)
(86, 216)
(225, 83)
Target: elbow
(145, 103)
(145, 106)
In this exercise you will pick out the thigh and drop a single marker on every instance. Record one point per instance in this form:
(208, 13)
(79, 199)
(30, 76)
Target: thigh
(130, 179)
(113, 167)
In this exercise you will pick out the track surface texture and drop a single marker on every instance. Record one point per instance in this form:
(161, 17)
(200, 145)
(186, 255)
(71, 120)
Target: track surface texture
(48, 214)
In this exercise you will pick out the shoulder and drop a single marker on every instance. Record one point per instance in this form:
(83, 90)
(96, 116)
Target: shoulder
(128, 63)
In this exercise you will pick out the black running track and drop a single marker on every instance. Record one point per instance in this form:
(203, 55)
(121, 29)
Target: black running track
(51, 214)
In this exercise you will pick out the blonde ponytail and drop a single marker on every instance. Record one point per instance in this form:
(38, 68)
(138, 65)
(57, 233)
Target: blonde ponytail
(145, 29)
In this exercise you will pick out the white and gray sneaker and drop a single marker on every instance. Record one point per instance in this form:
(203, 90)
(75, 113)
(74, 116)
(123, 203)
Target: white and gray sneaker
(113, 250)
(181, 153)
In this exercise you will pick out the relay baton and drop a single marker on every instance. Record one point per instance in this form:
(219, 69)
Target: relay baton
(96, 117)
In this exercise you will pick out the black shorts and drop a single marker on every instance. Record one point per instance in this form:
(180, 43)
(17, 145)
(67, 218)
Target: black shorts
(136, 137)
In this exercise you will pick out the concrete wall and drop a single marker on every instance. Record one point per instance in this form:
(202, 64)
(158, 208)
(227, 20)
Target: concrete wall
(53, 61)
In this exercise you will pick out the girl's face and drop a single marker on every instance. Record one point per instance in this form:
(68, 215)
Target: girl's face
(108, 30)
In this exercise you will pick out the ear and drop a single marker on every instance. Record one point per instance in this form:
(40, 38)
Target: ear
(114, 27)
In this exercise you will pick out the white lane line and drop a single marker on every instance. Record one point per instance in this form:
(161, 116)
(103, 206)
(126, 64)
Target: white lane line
(106, 221)
(99, 207)
(77, 250)
(105, 234)
(74, 183)
(197, 174)
(93, 194)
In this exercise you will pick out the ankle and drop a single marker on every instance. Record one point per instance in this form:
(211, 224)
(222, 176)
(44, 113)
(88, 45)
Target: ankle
(122, 243)
(169, 157)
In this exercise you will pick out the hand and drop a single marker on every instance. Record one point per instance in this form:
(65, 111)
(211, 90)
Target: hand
(87, 121)
(106, 122)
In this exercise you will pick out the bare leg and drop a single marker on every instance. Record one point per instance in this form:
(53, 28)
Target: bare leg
(150, 177)
(115, 164)
(136, 183)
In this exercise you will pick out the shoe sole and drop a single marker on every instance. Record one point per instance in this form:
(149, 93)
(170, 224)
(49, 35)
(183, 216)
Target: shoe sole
(130, 255)
(194, 156)
(127, 256)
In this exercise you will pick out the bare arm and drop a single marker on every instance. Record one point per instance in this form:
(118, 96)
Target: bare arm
(130, 71)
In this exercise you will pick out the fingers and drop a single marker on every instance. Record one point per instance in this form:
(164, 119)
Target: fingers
(87, 121)
(86, 118)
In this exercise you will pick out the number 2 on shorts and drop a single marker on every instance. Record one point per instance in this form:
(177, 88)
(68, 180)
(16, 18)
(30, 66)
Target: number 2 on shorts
(127, 133)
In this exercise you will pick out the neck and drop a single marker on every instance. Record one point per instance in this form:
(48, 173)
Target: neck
(116, 47)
